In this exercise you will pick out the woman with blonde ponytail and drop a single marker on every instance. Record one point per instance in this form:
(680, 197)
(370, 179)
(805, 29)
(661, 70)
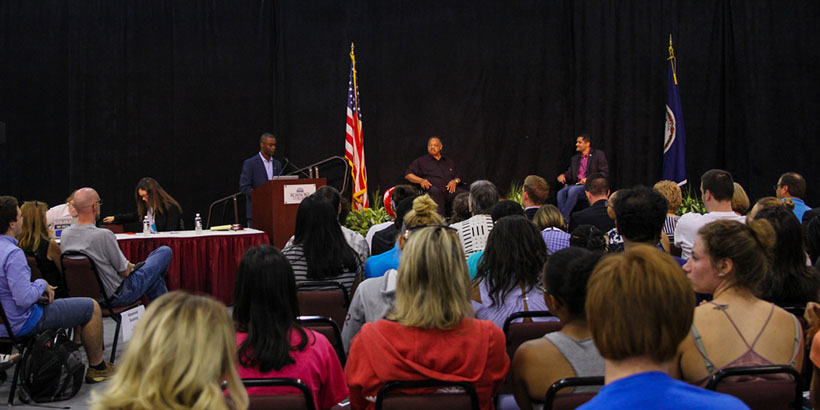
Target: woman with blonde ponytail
(182, 356)
(729, 259)
(375, 297)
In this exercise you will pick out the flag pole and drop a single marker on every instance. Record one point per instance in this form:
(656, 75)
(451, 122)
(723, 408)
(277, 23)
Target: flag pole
(671, 58)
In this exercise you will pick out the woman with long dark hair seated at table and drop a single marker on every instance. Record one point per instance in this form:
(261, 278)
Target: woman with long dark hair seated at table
(35, 240)
(431, 332)
(161, 208)
(271, 343)
(319, 251)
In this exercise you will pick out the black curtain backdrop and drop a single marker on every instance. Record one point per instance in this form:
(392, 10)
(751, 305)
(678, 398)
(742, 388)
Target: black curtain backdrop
(103, 92)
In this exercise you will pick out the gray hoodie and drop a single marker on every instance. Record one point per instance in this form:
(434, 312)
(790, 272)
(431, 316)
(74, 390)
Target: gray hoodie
(373, 299)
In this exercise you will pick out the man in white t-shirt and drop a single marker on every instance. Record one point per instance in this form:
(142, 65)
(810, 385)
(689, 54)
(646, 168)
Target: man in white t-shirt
(716, 188)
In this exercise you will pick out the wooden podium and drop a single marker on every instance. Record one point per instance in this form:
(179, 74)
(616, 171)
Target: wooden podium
(275, 203)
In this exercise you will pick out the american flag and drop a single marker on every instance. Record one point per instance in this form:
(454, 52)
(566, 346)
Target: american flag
(354, 143)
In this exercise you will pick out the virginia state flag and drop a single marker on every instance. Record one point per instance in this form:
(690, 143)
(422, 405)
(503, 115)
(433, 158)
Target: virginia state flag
(674, 141)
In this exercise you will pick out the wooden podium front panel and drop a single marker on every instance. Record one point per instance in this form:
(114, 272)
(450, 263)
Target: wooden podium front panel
(270, 212)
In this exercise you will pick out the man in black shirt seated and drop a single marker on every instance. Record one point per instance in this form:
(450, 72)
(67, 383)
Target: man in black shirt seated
(437, 175)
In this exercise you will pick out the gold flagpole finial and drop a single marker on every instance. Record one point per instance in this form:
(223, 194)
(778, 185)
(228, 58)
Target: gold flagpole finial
(671, 58)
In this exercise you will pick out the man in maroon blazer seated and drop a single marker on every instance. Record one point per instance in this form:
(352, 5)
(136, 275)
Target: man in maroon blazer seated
(586, 162)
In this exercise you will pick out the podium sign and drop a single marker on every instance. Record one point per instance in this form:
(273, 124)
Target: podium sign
(275, 204)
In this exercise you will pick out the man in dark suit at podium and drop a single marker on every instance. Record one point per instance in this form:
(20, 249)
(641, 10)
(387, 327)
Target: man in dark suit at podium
(258, 169)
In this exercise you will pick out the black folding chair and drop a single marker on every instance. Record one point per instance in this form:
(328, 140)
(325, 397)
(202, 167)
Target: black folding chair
(760, 393)
(391, 397)
(323, 298)
(22, 344)
(286, 401)
(330, 329)
(570, 400)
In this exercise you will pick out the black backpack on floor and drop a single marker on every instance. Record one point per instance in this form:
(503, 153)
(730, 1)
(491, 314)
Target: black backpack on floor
(52, 369)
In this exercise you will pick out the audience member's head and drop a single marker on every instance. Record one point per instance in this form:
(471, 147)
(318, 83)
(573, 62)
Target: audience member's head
(433, 287)
(536, 190)
(610, 204)
(640, 213)
(319, 234)
(791, 185)
(423, 214)
(331, 195)
(596, 188)
(483, 195)
(565, 281)
(344, 210)
(548, 216)
(400, 192)
(402, 208)
(87, 202)
(716, 186)
(731, 252)
(512, 259)
(34, 229)
(461, 208)
(768, 202)
(504, 208)
(788, 281)
(182, 351)
(644, 283)
(740, 201)
(265, 307)
(10, 223)
(588, 237)
(671, 191)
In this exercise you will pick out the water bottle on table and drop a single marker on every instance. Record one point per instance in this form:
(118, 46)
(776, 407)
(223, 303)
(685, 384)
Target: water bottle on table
(146, 226)
(198, 224)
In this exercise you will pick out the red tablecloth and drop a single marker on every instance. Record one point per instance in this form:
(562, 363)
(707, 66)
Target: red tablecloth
(205, 263)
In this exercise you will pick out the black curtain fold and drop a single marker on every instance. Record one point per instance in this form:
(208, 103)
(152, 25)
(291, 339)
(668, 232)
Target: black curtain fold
(102, 93)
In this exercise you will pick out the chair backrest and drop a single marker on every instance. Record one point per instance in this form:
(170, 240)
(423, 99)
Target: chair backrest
(329, 329)
(570, 400)
(757, 392)
(35, 268)
(316, 300)
(434, 395)
(82, 277)
(6, 322)
(519, 332)
(280, 401)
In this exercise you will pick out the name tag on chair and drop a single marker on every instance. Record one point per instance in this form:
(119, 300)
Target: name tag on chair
(129, 321)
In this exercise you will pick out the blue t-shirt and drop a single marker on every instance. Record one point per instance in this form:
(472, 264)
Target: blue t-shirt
(472, 263)
(377, 265)
(656, 390)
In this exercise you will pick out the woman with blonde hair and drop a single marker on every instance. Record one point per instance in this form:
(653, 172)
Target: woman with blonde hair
(430, 334)
(740, 201)
(182, 356)
(769, 202)
(35, 240)
(553, 229)
(162, 209)
(729, 260)
(376, 296)
(674, 197)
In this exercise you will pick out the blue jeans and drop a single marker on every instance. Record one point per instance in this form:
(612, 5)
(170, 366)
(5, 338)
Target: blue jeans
(64, 314)
(568, 198)
(149, 280)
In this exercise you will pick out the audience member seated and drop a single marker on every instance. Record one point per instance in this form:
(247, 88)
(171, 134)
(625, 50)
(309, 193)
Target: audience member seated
(539, 363)
(588, 237)
(274, 345)
(61, 216)
(319, 251)
(124, 282)
(461, 208)
(36, 241)
(507, 280)
(182, 356)
(500, 210)
(549, 220)
(162, 209)
(716, 189)
(385, 239)
(674, 197)
(792, 186)
(353, 238)
(740, 201)
(768, 202)
(639, 309)
(643, 282)
(597, 192)
(30, 307)
(395, 197)
(790, 280)
(534, 193)
(430, 333)
(614, 240)
(640, 214)
(474, 231)
(375, 297)
(736, 328)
